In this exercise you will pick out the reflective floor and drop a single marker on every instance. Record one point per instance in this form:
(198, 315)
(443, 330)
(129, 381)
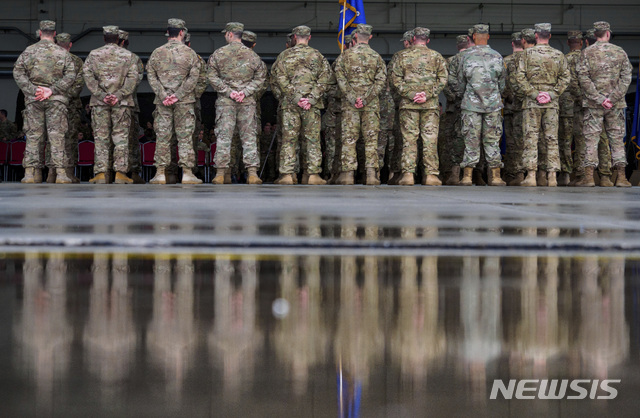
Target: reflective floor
(116, 333)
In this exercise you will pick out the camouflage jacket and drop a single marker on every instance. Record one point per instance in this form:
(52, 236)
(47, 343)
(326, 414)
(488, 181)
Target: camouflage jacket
(78, 84)
(361, 73)
(572, 95)
(482, 78)
(541, 68)
(8, 130)
(387, 110)
(512, 102)
(174, 69)
(604, 72)
(334, 107)
(111, 70)
(45, 64)
(302, 72)
(418, 69)
(234, 67)
(203, 82)
(453, 101)
(140, 67)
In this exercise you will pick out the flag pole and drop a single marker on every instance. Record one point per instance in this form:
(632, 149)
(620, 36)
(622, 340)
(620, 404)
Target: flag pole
(344, 15)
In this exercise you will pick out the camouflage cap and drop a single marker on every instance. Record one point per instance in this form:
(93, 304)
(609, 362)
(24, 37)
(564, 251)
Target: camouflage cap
(123, 35)
(63, 38)
(516, 36)
(481, 28)
(301, 30)
(574, 34)
(176, 23)
(290, 36)
(407, 37)
(602, 25)
(249, 36)
(528, 34)
(348, 39)
(590, 34)
(461, 39)
(363, 29)
(47, 25)
(542, 27)
(420, 31)
(233, 27)
(110, 30)
(470, 32)
(187, 38)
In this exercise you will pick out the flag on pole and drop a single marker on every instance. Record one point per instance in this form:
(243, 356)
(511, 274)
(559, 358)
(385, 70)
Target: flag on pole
(635, 127)
(351, 14)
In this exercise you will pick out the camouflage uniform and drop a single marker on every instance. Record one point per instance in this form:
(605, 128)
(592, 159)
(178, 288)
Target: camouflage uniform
(331, 121)
(111, 70)
(174, 68)
(360, 73)
(482, 79)
(8, 131)
(235, 67)
(45, 64)
(604, 72)
(419, 69)
(134, 138)
(568, 101)
(301, 72)
(455, 140)
(386, 140)
(541, 68)
(512, 119)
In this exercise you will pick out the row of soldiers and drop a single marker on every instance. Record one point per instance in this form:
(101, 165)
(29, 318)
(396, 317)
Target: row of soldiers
(358, 87)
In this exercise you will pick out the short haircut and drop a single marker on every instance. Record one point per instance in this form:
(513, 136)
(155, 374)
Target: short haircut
(4, 112)
(574, 42)
(63, 44)
(590, 40)
(47, 33)
(111, 38)
(544, 34)
(422, 38)
(302, 37)
(237, 34)
(600, 33)
(517, 43)
(173, 32)
(248, 44)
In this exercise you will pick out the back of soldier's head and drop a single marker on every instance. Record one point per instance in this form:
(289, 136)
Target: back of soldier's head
(462, 42)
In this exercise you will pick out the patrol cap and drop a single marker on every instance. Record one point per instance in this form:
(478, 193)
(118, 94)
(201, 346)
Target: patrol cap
(542, 27)
(363, 29)
(481, 28)
(348, 39)
(233, 27)
(47, 25)
(408, 36)
(176, 24)
(590, 34)
(249, 36)
(110, 30)
(529, 35)
(516, 36)
(602, 25)
(470, 32)
(123, 35)
(63, 38)
(187, 38)
(290, 36)
(460, 39)
(574, 34)
(420, 31)
(301, 30)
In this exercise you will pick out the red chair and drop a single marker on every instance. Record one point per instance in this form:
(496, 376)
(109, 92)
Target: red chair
(16, 155)
(86, 156)
(4, 158)
(148, 159)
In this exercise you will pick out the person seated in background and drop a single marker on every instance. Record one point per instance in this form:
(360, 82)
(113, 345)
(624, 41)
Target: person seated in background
(8, 129)
(149, 133)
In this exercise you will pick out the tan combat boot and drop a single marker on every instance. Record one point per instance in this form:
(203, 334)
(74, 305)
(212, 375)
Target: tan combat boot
(372, 177)
(431, 180)
(160, 177)
(345, 178)
(605, 181)
(530, 180)
(541, 178)
(519, 178)
(494, 177)
(136, 178)
(122, 178)
(621, 180)
(407, 179)
(99, 178)
(51, 176)
(305, 178)
(188, 177)
(564, 179)
(587, 179)
(285, 179)
(61, 176)
(253, 178)
(467, 177)
(220, 177)
(28, 175)
(454, 177)
(552, 181)
(316, 180)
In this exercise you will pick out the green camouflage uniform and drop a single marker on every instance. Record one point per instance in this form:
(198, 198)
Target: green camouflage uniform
(568, 101)
(419, 69)
(604, 71)
(386, 140)
(331, 121)
(481, 80)
(234, 67)
(360, 73)
(454, 150)
(512, 119)
(111, 70)
(174, 68)
(301, 72)
(45, 64)
(134, 139)
(541, 68)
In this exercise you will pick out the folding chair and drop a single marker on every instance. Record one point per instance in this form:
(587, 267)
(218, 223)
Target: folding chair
(86, 156)
(16, 155)
(4, 158)
(148, 159)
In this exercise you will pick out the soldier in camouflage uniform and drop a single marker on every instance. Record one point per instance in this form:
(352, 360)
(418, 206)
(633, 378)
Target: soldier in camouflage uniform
(45, 72)
(237, 74)
(481, 80)
(303, 76)
(386, 140)
(111, 75)
(173, 71)
(514, 172)
(604, 72)
(418, 76)
(542, 76)
(8, 129)
(361, 75)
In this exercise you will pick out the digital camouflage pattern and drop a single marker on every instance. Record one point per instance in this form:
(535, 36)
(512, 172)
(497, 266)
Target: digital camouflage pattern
(111, 126)
(301, 72)
(453, 151)
(360, 73)
(481, 79)
(331, 124)
(572, 94)
(386, 140)
(513, 129)
(74, 114)
(540, 125)
(482, 132)
(45, 64)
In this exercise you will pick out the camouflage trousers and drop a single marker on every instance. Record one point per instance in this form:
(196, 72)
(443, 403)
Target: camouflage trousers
(565, 138)
(514, 143)
(228, 117)
(481, 130)
(235, 154)
(355, 122)
(45, 121)
(111, 126)
(299, 125)
(540, 124)
(179, 120)
(70, 138)
(604, 152)
(613, 123)
(395, 156)
(413, 125)
(134, 142)
(331, 143)
(452, 148)
(268, 157)
(386, 144)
